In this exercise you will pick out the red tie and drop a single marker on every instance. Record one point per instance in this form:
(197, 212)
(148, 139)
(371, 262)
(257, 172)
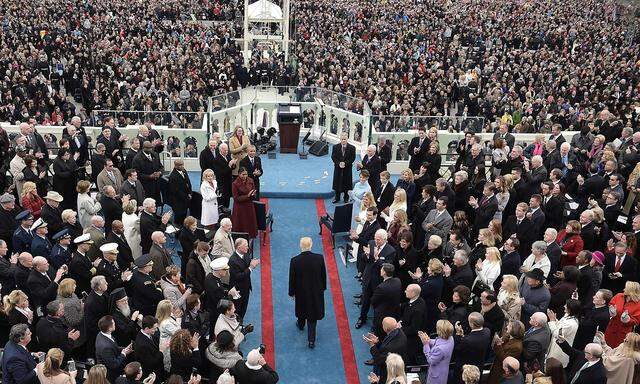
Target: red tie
(618, 263)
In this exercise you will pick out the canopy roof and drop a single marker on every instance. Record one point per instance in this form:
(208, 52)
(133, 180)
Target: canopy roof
(264, 10)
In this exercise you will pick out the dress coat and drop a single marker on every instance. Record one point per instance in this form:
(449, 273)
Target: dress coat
(237, 150)
(149, 223)
(179, 193)
(210, 213)
(307, 283)
(145, 168)
(244, 214)
(343, 177)
(65, 177)
(251, 167)
(223, 177)
(373, 166)
(617, 330)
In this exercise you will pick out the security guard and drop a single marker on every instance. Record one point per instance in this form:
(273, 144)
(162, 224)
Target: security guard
(216, 289)
(22, 237)
(40, 245)
(109, 268)
(145, 294)
(60, 253)
(81, 269)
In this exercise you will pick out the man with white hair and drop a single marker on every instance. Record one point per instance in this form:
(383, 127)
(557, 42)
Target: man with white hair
(241, 264)
(537, 174)
(585, 367)
(151, 222)
(96, 305)
(78, 141)
(343, 155)
(42, 283)
(96, 233)
(159, 255)
(565, 160)
(223, 168)
(254, 370)
(377, 253)
(371, 162)
(412, 321)
(536, 340)
(554, 252)
(222, 241)
(588, 231)
(35, 143)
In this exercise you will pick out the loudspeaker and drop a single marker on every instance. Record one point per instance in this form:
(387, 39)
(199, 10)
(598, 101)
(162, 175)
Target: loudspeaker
(319, 148)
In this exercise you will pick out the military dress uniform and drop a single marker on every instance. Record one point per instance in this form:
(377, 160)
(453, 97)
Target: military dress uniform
(81, 269)
(40, 246)
(112, 273)
(59, 254)
(145, 294)
(21, 240)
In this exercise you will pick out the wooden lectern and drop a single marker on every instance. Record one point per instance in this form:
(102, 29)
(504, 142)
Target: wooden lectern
(289, 120)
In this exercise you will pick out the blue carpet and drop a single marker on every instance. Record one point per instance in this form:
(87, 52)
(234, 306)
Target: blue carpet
(253, 340)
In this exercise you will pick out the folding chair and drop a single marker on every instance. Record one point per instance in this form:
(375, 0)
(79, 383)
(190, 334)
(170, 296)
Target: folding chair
(339, 223)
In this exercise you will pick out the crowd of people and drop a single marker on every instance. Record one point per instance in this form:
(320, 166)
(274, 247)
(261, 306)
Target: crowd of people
(524, 263)
(111, 284)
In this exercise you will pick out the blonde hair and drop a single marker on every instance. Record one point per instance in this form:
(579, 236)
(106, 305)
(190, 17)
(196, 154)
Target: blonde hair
(631, 345)
(130, 207)
(493, 251)
(371, 198)
(436, 266)
(306, 244)
(489, 237)
(444, 329)
(403, 218)
(508, 181)
(53, 362)
(402, 197)
(163, 311)
(10, 301)
(395, 369)
(28, 187)
(97, 375)
(632, 290)
(66, 287)
(410, 172)
(470, 374)
(67, 213)
(511, 283)
(206, 173)
(435, 240)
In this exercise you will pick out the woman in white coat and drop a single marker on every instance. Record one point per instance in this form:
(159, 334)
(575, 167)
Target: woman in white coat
(567, 327)
(87, 205)
(131, 223)
(209, 192)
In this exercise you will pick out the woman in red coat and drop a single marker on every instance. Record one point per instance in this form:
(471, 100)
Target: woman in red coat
(624, 310)
(243, 216)
(31, 201)
(571, 243)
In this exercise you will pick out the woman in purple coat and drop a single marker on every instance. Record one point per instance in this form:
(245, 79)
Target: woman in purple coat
(438, 352)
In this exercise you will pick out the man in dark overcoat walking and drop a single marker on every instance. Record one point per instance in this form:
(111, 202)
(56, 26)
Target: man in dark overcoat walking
(343, 155)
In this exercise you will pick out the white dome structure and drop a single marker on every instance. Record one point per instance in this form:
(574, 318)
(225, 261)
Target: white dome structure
(264, 10)
(266, 26)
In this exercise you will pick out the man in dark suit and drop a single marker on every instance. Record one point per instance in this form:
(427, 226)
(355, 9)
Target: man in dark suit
(132, 187)
(179, 192)
(96, 305)
(208, 156)
(111, 207)
(42, 283)
(511, 261)
(147, 347)
(485, 209)
(241, 264)
(125, 256)
(223, 167)
(150, 222)
(585, 367)
(594, 319)
(145, 295)
(503, 133)
(585, 282)
(107, 351)
(536, 340)
(369, 228)
(519, 186)
(343, 155)
(461, 274)
(132, 152)
(554, 253)
(253, 164)
(588, 231)
(371, 162)
(537, 175)
(471, 348)
(53, 333)
(377, 252)
(51, 212)
(78, 143)
(551, 206)
(384, 152)
(307, 283)
(394, 341)
(413, 320)
(418, 149)
(8, 212)
(149, 168)
(619, 269)
(386, 298)
(592, 185)
(536, 214)
(384, 194)
(556, 134)
(520, 227)
(18, 365)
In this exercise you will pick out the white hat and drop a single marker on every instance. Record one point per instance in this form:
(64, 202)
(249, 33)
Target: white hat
(53, 195)
(109, 248)
(170, 229)
(219, 264)
(38, 224)
(85, 238)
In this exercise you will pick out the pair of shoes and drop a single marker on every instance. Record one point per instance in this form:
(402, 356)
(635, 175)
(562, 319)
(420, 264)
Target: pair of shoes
(358, 296)
(312, 344)
(359, 324)
(369, 362)
(335, 201)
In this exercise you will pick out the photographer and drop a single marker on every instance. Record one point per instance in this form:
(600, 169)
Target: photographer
(254, 370)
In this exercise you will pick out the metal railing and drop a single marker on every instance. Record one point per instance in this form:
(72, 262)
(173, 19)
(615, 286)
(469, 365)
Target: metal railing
(168, 119)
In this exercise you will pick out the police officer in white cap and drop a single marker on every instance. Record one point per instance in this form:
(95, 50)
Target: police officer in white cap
(81, 268)
(216, 288)
(145, 294)
(110, 269)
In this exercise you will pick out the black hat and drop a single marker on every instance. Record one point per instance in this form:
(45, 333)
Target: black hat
(535, 273)
(143, 260)
(224, 339)
(24, 215)
(117, 294)
(61, 235)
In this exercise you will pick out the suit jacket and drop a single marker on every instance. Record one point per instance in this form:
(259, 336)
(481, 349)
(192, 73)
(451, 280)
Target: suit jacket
(384, 152)
(628, 269)
(485, 212)
(386, 299)
(413, 316)
(112, 210)
(18, 366)
(553, 212)
(21, 240)
(145, 168)
(536, 177)
(179, 192)
(554, 253)
(508, 138)
(149, 223)
(103, 180)
(97, 236)
(525, 232)
(471, 348)
(207, 158)
(373, 166)
(81, 270)
(83, 148)
(371, 275)
(384, 198)
(95, 307)
(240, 274)
(538, 220)
(53, 333)
(109, 354)
(441, 224)
(417, 159)
(42, 289)
(511, 263)
(307, 283)
(585, 286)
(125, 257)
(161, 261)
(535, 344)
(588, 235)
(40, 246)
(394, 342)
(257, 166)
(147, 353)
(593, 185)
(594, 318)
(222, 244)
(595, 374)
(135, 193)
(367, 233)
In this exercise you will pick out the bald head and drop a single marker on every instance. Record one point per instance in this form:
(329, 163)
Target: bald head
(413, 291)
(538, 319)
(25, 259)
(510, 365)
(158, 237)
(593, 351)
(389, 324)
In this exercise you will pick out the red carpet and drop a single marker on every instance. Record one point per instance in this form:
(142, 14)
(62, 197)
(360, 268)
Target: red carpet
(267, 297)
(348, 356)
